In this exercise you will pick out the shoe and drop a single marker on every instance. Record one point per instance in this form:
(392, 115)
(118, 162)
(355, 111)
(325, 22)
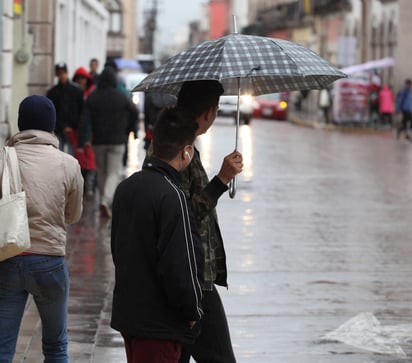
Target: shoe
(407, 137)
(105, 211)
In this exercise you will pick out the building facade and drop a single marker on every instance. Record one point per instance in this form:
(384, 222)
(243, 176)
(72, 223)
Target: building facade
(36, 34)
(122, 35)
(345, 32)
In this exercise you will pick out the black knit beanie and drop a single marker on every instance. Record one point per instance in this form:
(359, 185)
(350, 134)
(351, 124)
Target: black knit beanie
(37, 112)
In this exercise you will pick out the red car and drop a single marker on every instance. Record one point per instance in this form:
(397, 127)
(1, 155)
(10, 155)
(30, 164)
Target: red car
(273, 106)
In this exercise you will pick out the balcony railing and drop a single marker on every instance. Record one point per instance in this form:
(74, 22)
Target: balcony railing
(293, 14)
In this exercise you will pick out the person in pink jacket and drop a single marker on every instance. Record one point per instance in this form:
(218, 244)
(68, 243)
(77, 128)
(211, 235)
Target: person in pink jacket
(386, 105)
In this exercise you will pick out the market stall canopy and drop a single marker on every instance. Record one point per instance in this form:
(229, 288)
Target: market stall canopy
(369, 66)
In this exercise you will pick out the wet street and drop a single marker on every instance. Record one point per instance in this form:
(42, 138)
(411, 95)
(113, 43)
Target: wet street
(318, 243)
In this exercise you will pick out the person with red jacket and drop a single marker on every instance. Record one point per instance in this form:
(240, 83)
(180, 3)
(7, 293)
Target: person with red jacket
(84, 79)
(85, 153)
(386, 105)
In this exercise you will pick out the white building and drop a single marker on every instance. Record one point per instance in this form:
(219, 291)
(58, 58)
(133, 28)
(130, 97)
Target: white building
(35, 36)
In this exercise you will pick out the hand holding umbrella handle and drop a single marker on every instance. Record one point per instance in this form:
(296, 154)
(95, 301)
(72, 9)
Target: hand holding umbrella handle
(232, 188)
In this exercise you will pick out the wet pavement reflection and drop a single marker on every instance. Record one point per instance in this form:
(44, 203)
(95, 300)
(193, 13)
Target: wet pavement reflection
(319, 233)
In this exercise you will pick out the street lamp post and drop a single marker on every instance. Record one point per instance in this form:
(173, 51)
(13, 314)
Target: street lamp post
(364, 27)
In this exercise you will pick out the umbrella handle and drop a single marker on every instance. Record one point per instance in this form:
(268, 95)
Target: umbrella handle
(232, 188)
(232, 185)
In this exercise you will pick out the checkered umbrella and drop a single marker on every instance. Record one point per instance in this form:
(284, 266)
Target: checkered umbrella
(244, 64)
(263, 65)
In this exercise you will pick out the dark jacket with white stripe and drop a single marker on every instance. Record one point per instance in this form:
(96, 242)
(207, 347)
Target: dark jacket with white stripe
(157, 257)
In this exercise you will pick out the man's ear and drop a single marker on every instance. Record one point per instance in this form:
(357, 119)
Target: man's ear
(210, 112)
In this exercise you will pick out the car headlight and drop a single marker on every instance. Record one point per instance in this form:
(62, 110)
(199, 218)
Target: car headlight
(247, 99)
(283, 105)
(135, 98)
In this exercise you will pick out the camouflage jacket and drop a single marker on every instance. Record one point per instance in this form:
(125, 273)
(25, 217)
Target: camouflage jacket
(202, 196)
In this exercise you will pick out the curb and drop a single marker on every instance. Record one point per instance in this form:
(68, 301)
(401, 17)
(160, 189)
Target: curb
(331, 127)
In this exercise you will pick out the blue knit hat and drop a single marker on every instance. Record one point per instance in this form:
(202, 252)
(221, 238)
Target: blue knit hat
(37, 112)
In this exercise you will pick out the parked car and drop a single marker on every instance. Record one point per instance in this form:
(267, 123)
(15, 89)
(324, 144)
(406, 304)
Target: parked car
(131, 80)
(228, 107)
(272, 105)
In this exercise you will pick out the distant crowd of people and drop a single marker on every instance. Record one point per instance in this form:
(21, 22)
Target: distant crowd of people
(384, 108)
(86, 107)
(390, 110)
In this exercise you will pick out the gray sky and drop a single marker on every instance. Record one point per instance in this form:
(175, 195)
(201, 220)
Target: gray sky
(173, 16)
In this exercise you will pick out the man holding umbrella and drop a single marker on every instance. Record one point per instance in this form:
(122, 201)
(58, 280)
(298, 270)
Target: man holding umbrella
(235, 62)
(200, 99)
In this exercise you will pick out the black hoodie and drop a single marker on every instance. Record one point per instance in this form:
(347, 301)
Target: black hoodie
(157, 256)
(108, 111)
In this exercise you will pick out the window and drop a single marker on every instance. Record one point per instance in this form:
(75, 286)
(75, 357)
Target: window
(116, 16)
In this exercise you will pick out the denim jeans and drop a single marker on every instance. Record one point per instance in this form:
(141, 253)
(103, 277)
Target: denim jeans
(46, 278)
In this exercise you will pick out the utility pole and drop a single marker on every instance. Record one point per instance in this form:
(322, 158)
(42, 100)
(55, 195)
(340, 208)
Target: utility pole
(150, 29)
(364, 30)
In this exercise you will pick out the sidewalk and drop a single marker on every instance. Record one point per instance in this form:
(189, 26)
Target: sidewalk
(91, 279)
(314, 120)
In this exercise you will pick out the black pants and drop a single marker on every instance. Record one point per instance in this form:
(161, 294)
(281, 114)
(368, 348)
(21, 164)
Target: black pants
(406, 119)
(213, 345)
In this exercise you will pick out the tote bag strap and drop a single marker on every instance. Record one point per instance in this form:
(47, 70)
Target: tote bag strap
(5, 180)
(11, 169)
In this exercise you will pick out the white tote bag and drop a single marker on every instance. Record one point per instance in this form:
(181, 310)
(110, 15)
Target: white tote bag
(14, 223)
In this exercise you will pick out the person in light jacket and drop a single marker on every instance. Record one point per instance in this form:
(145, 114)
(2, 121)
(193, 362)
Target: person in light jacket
(54, 188)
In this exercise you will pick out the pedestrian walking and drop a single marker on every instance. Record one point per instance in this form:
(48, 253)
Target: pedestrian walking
(325, 104)
(84, 80)
(156, 252)
(107, 112)
(373, 97)
(67, 98)
(201, 99)
(404, 106)
(131, 120)
(85, 154)
(54, 189)
(386, 105)
(93, 69)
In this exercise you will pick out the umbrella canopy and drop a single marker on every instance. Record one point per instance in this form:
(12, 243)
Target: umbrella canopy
(265, 65)
(124, 63)
(244, 64)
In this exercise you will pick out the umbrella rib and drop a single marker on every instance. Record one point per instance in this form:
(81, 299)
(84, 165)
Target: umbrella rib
(290, 58)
